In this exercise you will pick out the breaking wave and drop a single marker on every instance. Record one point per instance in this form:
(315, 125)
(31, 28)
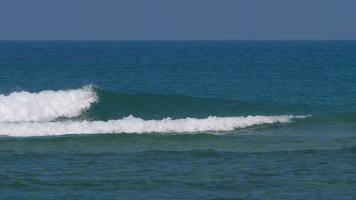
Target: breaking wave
(46, 105)
(131, 124)
(41, 114)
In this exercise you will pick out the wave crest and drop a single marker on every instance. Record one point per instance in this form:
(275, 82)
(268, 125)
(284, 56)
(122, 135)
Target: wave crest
(45, 105)
(132, 124)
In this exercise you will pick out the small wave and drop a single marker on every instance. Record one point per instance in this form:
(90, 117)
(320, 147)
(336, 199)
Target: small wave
(39, 114)
(45, 105)
(132, 124)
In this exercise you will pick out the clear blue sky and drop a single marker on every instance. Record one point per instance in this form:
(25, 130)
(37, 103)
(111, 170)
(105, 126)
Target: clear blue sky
(177, 19)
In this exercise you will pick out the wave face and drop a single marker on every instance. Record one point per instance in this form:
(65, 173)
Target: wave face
(78, 111)
(45, 105)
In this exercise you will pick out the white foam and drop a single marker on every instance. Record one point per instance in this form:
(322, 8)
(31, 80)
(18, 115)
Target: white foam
(46, 105)
(131, 124)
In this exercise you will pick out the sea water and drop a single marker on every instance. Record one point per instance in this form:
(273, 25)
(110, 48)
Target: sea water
(178, 120)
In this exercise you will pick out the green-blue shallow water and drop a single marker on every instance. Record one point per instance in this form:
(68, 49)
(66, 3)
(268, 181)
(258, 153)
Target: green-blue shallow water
(178, 120)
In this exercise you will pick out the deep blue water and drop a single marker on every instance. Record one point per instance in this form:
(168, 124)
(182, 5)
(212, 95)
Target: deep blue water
(304, 158)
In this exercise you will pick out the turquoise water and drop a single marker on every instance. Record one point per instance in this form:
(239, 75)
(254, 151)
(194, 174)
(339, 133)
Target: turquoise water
(135, 120)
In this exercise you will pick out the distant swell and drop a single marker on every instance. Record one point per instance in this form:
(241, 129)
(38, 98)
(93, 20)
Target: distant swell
(50, 113)
(45, 105)
(131, 124)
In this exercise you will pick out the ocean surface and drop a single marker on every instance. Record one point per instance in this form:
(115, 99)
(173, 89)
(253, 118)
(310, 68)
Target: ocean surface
(178, 120)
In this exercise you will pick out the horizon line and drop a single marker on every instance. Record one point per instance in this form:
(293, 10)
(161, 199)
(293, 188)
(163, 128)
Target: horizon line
(165, 40)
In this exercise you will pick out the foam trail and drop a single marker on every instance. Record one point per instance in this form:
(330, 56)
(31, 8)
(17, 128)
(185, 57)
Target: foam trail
(131, 124)
(46, 105)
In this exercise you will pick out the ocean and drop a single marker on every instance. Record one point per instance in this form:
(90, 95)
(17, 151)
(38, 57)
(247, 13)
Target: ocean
(178, 120)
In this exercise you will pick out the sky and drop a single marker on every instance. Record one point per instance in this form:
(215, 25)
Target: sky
(177, 19)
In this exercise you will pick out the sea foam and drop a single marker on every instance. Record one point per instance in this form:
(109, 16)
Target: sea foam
(46, 105)
(132, 124)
